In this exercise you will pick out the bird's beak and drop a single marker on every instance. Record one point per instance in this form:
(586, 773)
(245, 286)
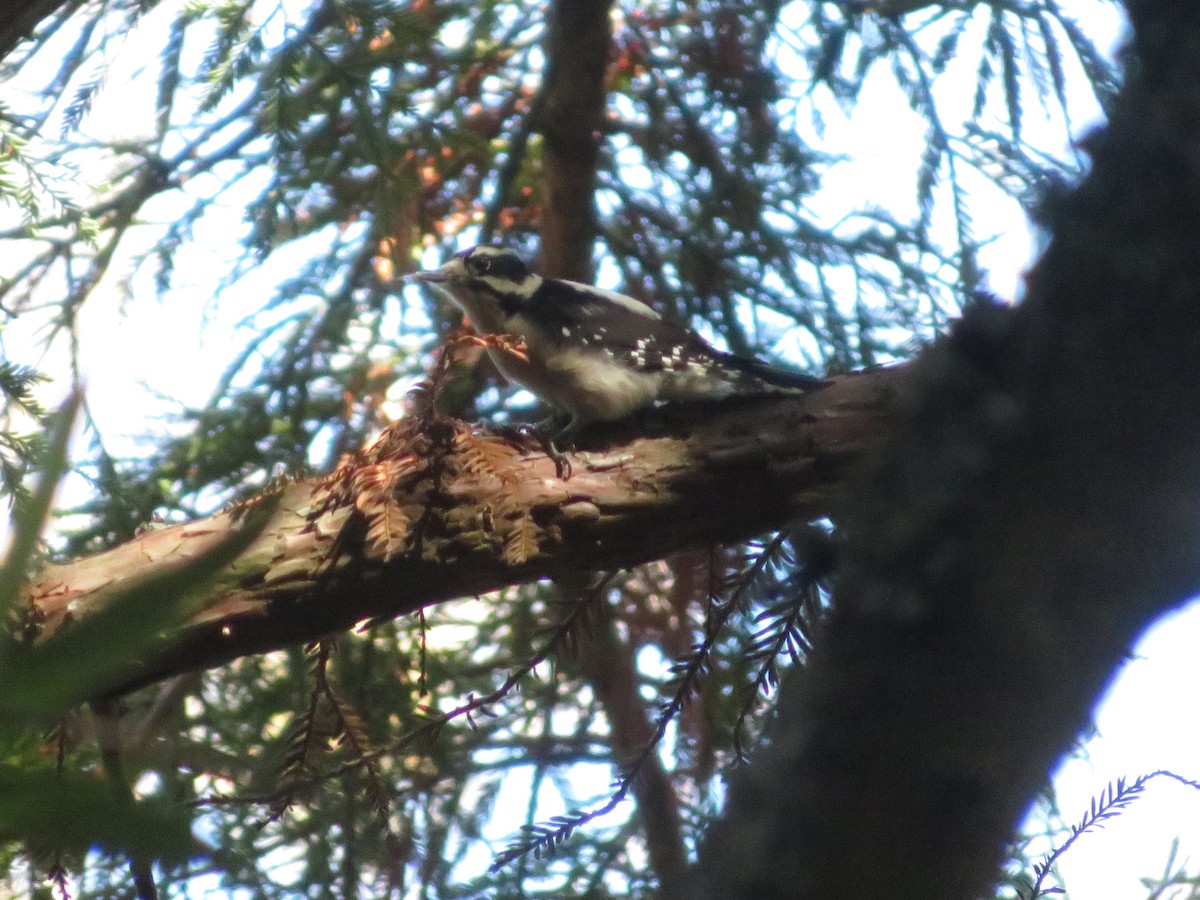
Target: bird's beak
(451, 271)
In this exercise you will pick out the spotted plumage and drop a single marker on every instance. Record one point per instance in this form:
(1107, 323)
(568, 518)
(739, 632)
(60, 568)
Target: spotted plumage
(596, 354)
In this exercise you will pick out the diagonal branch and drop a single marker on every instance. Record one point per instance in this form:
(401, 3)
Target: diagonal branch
(427, 517)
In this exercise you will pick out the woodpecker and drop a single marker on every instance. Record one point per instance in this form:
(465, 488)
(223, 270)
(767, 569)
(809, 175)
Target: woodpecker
(595, 354)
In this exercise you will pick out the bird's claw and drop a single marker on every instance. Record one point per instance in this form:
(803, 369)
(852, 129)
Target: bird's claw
(562, 462)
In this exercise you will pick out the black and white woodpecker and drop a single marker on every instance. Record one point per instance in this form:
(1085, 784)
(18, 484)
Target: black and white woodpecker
(594, 354)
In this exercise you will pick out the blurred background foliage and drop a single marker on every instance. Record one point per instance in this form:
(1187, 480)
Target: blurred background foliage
(282, 165)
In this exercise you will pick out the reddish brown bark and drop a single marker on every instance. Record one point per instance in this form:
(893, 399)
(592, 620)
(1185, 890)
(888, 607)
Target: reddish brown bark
(457, 514)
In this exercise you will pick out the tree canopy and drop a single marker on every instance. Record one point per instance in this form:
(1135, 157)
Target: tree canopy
(880, 548)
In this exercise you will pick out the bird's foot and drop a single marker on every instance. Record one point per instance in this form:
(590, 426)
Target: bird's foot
(549, 435)
(553, 435)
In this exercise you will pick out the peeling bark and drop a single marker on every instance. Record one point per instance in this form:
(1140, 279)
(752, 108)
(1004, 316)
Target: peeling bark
(445, 512)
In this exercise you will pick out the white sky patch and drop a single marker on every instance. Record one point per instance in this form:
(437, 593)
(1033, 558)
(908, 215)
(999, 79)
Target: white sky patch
(1146, 722)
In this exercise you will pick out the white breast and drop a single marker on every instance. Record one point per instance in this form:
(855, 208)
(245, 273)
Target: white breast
(584, 382)
(593, 388)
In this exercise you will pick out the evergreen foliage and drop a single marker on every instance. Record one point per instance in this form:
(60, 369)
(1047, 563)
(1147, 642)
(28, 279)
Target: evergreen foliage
(357, 140)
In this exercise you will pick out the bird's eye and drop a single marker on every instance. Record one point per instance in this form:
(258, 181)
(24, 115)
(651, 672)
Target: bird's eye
(492, 262)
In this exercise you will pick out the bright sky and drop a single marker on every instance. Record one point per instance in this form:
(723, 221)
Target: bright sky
(1145, 723)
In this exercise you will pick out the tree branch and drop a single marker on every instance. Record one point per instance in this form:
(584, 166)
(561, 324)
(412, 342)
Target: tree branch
(608, 663)
(436, 512)
(19, 22)
(578, 42)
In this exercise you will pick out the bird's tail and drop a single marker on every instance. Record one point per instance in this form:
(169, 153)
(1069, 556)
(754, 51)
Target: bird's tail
(774, 376)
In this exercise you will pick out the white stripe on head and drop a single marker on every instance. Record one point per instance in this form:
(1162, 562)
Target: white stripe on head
(486, 250)
(508, 287)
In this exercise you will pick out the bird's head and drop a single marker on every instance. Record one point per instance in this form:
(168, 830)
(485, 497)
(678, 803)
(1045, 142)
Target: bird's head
(488, 283)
